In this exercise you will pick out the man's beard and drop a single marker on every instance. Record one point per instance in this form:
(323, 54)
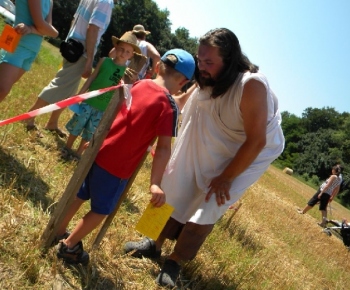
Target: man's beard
(206, 80)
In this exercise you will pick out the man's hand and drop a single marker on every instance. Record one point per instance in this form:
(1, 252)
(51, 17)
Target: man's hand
(87, 70)
(158, 196)
(220, 187)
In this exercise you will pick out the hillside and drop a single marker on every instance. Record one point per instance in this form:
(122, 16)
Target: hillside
(266, 244)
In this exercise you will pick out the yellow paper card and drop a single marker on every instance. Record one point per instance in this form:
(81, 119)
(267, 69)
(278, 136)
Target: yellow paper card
(153, 220)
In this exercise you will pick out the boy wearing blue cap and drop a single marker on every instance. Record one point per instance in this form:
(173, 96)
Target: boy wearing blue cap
(153, 113)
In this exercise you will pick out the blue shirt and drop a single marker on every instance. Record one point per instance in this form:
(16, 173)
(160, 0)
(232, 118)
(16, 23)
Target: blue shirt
(30, 41)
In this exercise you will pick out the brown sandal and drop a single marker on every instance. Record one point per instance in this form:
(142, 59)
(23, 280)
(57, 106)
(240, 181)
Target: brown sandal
(36, 129)
(57, 131)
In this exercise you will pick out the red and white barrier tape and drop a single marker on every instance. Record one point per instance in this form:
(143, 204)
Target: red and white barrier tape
(58, 105)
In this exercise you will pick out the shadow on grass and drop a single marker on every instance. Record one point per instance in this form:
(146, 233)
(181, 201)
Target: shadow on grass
(88, 276)
(191, 280)
(17, 179)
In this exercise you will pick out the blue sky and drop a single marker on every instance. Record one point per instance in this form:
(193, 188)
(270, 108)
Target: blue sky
(302, 46)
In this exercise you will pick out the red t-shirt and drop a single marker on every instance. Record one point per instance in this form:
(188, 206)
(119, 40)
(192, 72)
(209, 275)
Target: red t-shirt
(153, 113)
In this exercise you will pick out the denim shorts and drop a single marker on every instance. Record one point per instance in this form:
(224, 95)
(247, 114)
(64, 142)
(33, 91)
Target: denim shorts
(103, 188)
(21, 58)
(85, 122)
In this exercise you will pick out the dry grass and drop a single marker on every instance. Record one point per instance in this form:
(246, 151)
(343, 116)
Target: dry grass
(264, 245)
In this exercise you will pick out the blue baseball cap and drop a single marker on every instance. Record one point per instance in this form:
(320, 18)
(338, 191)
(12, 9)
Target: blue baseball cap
(185, 62)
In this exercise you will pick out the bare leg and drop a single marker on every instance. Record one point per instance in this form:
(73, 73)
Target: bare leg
(306, 209)
(71, 212)
(85, 226)
(52, 123)
(324, 217)
(82, 147)
(159, 242)
(38, 104)
(9, 75)
(190, 241)
(70, 141)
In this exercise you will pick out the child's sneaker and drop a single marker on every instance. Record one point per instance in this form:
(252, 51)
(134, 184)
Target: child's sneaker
(77, 255)
(57, 239)
(144, 248)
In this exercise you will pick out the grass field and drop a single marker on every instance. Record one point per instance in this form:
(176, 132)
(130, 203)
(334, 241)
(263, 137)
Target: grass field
(266, 244)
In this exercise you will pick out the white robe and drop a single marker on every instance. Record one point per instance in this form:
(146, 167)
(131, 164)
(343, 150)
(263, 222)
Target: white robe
(210, 135)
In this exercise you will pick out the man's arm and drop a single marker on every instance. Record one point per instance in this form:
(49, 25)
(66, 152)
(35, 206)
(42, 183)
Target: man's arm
(182, 99)
(91, 78)
(254, 113)
(160, 160)
(153, 54)
(90, 43)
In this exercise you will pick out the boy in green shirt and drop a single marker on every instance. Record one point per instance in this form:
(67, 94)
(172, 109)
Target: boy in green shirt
(108, 72)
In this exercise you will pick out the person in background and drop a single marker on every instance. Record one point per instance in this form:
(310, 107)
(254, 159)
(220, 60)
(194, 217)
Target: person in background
(147, 49)
(337, 188)
(323, 195)
(91, 20)
(230, 133)
(33, 20)
(108, 72)
(153, 114)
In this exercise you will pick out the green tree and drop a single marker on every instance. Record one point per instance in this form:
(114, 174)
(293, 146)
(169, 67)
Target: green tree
(128, 13)
(62, 15)
(325, 118)
(293, 132)
(318, 152)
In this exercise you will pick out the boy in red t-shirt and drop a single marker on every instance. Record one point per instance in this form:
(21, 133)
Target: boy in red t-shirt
(153, 113)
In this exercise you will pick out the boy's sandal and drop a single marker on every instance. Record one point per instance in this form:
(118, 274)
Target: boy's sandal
(57, 131)
(65, 152)
(34, 128)
(69, 154)
(74, 158)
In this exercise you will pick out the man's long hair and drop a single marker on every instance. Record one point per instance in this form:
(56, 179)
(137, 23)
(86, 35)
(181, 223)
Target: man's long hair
(234, 60)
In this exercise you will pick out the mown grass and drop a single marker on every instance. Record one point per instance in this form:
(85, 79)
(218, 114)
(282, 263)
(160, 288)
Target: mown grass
(263, 245)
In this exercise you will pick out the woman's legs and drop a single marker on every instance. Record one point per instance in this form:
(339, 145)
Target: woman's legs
(9, 75)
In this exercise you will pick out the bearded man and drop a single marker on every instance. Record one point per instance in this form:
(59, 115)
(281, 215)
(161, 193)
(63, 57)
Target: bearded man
(230, 134)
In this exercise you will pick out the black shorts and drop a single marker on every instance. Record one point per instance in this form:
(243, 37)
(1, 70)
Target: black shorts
(323, 201)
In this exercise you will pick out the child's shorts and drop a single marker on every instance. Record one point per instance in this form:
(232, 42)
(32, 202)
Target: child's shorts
(103, 188)
(22, 57)
(84, 123)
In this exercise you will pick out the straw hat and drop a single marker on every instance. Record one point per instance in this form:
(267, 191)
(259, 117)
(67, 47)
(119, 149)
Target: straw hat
(140, 29)
(129, 38)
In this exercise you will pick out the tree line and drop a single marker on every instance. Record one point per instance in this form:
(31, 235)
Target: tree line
(315, 142)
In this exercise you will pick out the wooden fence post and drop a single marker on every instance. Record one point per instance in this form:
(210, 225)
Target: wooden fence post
(88, 158)
(110, 217)
(82, 169)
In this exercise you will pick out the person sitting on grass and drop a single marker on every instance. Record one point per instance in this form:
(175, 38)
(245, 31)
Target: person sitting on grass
(108, 73)
(153, 114)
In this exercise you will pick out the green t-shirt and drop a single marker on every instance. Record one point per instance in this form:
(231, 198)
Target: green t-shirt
(110, 74)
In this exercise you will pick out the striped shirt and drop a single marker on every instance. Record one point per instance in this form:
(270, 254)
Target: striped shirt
(97, 12)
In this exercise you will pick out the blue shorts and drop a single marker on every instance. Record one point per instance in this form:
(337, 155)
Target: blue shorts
(85, 122)
(103, 188)
(22, 57)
